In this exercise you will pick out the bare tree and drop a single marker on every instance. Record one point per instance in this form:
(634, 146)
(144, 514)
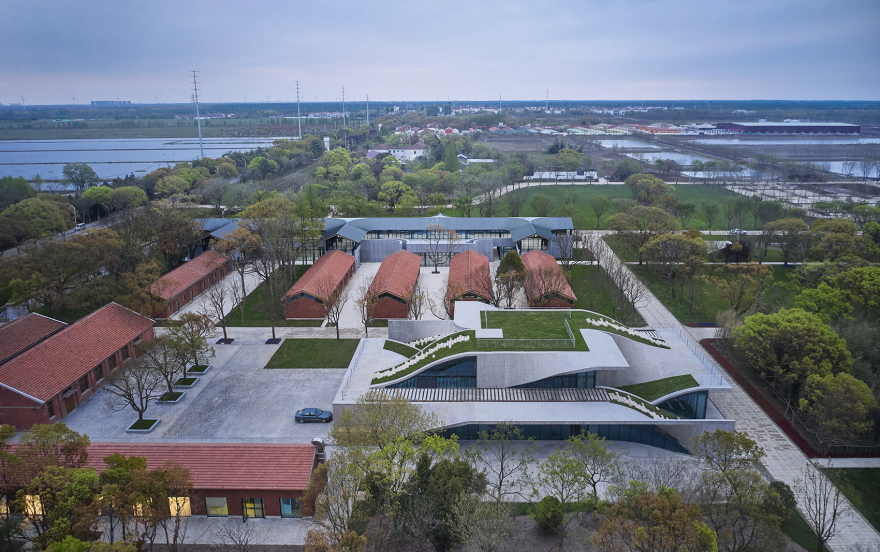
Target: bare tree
(332, 300)
(239, 537)
(216, 297)
(543, 283)
(134, 385)
(418, 300)
(485, 524)
(345, 483)
(366, 303)
(824, 506)
(507, 459)
(166, 357)
(442, 244)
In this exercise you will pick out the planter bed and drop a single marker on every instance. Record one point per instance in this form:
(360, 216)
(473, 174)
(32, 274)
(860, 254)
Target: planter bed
(171, 398)
(145, 426)
(186, 382)
(198, 369)
(225, 341)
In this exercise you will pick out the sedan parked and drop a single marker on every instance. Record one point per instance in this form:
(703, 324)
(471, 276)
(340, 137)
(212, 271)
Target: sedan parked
(313, 415)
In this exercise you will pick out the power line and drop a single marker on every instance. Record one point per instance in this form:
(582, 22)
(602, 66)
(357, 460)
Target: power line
(298, 119)
(198, 118)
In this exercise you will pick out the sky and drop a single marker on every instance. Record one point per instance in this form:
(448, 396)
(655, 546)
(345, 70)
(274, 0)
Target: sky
(61, 51)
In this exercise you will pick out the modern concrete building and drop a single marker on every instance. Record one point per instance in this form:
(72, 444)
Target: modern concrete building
(557, 373)
(50, 379)
(393, 283)
(545, 284)
(328, 276)
(241, 479)
(181, 285)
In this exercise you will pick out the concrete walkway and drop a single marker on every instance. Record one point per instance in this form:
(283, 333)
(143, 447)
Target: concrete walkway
(783, 461)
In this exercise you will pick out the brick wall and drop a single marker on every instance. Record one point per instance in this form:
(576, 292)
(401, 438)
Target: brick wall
(389, 307)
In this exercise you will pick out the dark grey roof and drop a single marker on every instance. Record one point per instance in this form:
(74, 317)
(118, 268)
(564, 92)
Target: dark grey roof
(519, 227)
(219, 227)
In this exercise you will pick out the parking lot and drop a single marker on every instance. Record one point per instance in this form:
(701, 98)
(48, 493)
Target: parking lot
(237, 400)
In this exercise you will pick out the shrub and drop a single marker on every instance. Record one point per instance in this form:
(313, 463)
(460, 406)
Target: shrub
(548, 514)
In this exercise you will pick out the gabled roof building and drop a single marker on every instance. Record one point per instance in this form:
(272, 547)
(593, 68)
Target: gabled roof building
(23, 333)
(469, 279)
(184, 283)
(393, 283)
(328, 275)
(545, 284)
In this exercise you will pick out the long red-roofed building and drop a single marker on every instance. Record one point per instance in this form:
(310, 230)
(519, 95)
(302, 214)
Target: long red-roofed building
(330, 273)
(469, 279)
(181, 285)
(23, 333)
(257, 480)
(395, 280)
(546, 286)
(50, 379)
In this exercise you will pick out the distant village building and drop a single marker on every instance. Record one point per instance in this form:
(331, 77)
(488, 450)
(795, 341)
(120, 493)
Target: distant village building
(790, 127)
(401, 153)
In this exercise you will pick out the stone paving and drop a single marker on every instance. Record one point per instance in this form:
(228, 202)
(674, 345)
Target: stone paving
(784, 461)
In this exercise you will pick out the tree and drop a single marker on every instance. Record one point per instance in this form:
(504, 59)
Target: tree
(262, 167)
(644, 521)
(134, 385)
(190, 333)
(824, 506)
(418, 301)
(366, 300)
(507, 459)
(165, 356)
(790, 345)
(394, 193)
(675, 256)
(740, 285)
(43, 217)
(639, 225)
(100, 195)
(332, 300)
(839, 406)
(562, 476)
(541, 205)
(598, 464)
(684, 211)
(450, 158)
(216, 297)
(788, 235)
(80, 175)
(599, 205)
(171, 185)
(515, 202)
(14, 189)
(243, 247)
(486, 524)
(647, 189)
(214, 191)
(338, 502)
(710, 212)
(442, 244)
(829, 303)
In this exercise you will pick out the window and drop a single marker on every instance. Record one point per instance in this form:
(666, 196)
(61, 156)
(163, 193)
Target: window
(50, 406)
(125, 354)
(33, 506)
(179, 506)
(460, 373)
(83, 384)
(112, 362)
(252, 507)
(98, 372)
(216, 507)
(291, 507)
(4, 507)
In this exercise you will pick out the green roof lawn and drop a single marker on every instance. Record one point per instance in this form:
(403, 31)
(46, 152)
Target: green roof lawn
(314, 353)
(653, 390)
(400, 348)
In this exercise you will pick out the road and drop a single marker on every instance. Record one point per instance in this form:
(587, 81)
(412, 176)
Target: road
(16, 252)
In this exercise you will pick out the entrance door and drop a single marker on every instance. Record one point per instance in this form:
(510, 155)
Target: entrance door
(70, 402)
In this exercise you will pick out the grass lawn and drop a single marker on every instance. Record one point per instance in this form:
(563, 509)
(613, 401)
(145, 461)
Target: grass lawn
(779, 292)
(528, 324)
(591, 293)
(143, 424)
(800, 532)
(862, 487)
(400, 348)
(255, 317)
(652, 390)
(173, 396)
(186, 381)
(198, 368)
(557, 193)
(314, 353)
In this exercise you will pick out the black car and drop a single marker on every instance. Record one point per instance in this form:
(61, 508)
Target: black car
(313, 415)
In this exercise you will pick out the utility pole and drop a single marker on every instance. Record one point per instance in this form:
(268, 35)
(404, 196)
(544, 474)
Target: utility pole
(343, 107)
(198, 119)
(368, 110)
(547, 101)
(298, 119)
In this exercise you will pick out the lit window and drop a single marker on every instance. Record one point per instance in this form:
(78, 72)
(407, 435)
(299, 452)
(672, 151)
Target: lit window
(33, 506)
(252, 507)
(216, 506)
(179, 506)
(291, 507)
(4, 508)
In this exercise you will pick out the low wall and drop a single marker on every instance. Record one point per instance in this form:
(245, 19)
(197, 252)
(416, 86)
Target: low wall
(410, 330)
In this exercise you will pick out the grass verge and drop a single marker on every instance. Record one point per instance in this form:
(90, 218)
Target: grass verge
(862, 487)
(588, 285)
(314, 353)
(653, 390)
(400, 348)
(800, 532)
(254, 315)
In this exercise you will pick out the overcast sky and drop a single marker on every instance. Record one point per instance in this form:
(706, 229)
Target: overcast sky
(142, 50)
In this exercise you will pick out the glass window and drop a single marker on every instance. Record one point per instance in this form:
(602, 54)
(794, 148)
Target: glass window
(454, 374)
(112, 362)
(33, 506)
(98, 372)
(291, 507)
(124, 352)
(4, 507)
(83, 384)
(50, 406)
(216, 506)
(252, 507)
(179, 506)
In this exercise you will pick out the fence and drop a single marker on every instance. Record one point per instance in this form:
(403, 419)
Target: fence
(714, 377)
(549, 344)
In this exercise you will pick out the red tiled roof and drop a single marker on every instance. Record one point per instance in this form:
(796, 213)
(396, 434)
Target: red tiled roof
(21, 333)
(397, 275)
(182, 277)
(334, 266)
(537, 260)
(240, 466)
(469, 273)
(49, 367)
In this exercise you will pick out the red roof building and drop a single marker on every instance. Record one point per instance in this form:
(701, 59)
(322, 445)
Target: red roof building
(546, 286)
(469, 279)
(181, 285)
(23, 333)
(328, 275)
(395, 280)
(256, 480)
(47, 381)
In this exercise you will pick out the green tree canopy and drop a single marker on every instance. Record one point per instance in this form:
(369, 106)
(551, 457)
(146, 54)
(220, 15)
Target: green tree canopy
(839, 405)
(43, 217)
(14, 189)
(647, 189)
(80, 175)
